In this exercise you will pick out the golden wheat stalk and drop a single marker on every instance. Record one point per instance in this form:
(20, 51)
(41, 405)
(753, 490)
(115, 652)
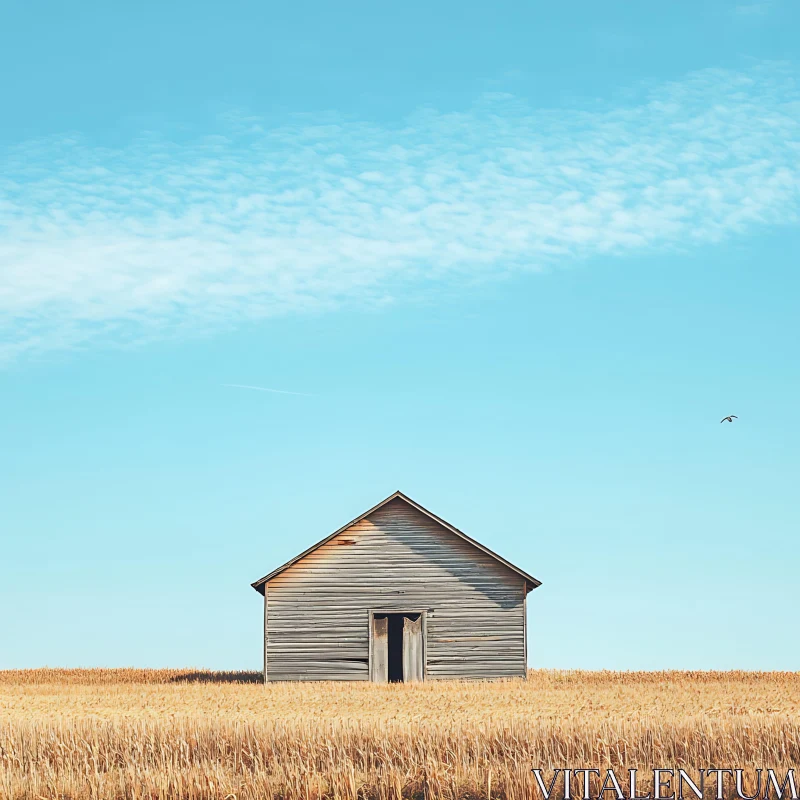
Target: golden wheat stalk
(96, 734)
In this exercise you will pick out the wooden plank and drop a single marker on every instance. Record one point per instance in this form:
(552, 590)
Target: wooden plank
(525, 626)
(266, 630)
(370, 632)
(424, 645)
(412, 650)
(379, 660)
(472, 639)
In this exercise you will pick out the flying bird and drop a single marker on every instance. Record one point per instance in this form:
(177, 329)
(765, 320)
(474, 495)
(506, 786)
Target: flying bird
(729, 418)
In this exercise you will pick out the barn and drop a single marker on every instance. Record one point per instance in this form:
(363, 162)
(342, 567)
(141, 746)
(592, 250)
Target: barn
(397, 594)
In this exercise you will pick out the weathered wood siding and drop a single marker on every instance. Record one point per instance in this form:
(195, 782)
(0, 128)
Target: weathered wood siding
(396, 558)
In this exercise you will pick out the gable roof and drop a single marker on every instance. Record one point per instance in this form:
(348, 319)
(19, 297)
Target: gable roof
(530, 581)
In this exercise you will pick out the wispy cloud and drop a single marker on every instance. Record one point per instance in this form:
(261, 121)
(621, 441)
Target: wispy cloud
(154, 240)
(263, 389)
(756, 9)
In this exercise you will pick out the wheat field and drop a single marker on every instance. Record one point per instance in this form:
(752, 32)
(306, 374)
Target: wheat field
(97, 734)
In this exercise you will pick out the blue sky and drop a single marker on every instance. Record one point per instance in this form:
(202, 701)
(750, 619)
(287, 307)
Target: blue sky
(515, 261)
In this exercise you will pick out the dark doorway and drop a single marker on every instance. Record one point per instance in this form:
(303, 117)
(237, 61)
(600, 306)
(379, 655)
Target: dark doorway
(397, 648)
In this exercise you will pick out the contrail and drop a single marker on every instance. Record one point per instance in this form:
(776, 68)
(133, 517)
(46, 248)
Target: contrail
(264, 389)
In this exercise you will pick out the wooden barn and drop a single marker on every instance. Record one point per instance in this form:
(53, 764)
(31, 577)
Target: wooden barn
(398, 594)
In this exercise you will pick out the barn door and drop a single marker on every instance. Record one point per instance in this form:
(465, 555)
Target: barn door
(379, 657)
(412, 649)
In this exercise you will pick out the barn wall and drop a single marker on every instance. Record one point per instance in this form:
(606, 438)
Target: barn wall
(397, 558)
